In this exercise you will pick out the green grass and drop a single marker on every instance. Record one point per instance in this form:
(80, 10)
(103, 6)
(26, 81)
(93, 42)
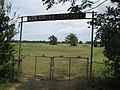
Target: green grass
(61, 68)
(61, 49)
(78, 69)
(5, 86)
(50, 50)
(78, 66)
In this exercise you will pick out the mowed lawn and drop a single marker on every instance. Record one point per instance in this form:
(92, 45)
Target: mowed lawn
(61, 70)
(82, 50)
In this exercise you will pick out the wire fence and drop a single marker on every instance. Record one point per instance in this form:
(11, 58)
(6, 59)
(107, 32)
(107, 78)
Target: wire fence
(60, 67)
(98, 68)
(55, 67)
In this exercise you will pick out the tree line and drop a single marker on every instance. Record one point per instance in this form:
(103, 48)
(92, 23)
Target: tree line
(52, 40)
(70, 39)
(96, 43)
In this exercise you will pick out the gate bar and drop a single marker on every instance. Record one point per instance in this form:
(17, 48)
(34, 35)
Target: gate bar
(69, 68)
(35, 65)
(52, 68)
(87, 71)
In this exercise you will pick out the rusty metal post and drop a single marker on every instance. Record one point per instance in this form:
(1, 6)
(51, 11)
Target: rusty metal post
(35, 65)
(91, 52)
(52, 68)
(87, 68)
(69, 68)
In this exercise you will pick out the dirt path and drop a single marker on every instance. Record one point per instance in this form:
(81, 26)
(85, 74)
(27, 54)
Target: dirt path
(38, 84)
(14, 87)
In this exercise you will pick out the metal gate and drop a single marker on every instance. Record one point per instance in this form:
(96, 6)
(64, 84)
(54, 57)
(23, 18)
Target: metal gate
(56, 67)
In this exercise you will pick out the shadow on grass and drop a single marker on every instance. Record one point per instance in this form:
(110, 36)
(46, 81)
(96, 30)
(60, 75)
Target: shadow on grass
(39, 83)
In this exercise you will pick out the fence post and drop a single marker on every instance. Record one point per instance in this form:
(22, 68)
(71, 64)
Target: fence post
(35, 64)
(91, 51)
(21, 64)
(52, 68)
(87, 67)
(20, 43)
(69, 68)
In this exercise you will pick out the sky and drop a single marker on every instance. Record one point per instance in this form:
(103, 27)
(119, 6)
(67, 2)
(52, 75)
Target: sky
(59, 28)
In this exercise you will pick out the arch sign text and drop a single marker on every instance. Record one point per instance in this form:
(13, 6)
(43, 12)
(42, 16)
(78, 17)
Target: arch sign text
(64, 16)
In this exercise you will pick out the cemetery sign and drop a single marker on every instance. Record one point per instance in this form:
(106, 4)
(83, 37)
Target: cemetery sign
(65, 16)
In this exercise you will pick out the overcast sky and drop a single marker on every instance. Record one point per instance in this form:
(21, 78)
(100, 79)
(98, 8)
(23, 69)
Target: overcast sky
(42, 30)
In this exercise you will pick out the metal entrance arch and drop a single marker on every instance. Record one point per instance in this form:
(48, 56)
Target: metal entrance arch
(64, 16)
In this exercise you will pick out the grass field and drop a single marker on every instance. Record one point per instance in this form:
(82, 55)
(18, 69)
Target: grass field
(61, 68)
(61, 49)
(78, 66)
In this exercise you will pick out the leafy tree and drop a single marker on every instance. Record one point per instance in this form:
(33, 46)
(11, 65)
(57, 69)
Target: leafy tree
(53, 40)
(80, 42)
(95, 43)
(88, 42)
(74, 7)
(108, 32)
(72, 39)
(7, 32)
(118, 1)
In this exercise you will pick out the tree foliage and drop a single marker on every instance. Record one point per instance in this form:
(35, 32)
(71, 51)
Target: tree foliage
(7, 32)
(118, 1)
(75, 8)
(72, 39)
(53, 40)
(108, 32)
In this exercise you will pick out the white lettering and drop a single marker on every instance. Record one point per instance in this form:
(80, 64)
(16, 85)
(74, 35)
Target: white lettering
(56, 17)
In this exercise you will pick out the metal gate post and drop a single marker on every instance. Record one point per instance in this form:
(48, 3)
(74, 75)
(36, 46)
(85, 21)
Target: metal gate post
(52, 68)
(91, 53)
(69, 68)
(20, 42)
(87, 66)
(35, 64)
